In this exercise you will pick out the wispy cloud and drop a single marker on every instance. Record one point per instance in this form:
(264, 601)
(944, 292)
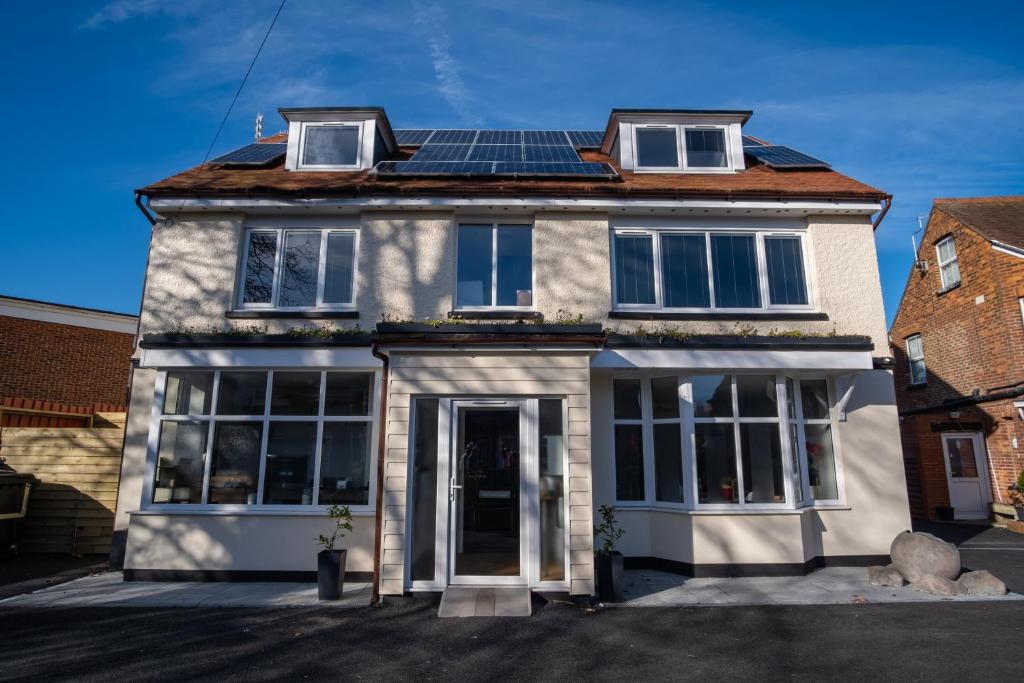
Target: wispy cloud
(124, 10)
(432, 21)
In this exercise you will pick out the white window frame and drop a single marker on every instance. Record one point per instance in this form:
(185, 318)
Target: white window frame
(762, 270)
(911, 359)
(279, 272)
(942, 264)
(682, 163)
(800, 421)
(494, 225)
(266, 419)
(306, 125)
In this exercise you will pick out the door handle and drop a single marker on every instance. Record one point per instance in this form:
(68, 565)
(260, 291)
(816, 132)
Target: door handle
(452, 487)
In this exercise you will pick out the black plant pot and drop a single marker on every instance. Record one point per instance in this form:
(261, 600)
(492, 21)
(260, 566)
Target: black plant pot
(330, 574)
(609, 575)
(945, 513)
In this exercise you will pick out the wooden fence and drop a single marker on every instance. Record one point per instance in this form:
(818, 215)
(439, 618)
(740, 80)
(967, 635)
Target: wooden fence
(71, 509)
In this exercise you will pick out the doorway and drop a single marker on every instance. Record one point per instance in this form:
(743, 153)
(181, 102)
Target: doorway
(966, 474)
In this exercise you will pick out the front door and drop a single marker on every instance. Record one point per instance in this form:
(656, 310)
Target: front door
(488, 504)
(967, 475)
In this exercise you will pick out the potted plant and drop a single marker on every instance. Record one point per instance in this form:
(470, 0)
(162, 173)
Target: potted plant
(608, 560)
(330, 563)
(727, 485)
(1017, 496)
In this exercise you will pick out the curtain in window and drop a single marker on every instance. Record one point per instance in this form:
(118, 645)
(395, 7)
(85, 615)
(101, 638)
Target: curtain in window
(684, 266)
(786, 282)
(735, 263)
(634, 269)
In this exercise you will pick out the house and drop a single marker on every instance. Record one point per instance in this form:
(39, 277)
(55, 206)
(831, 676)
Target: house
(475, 338)
(59, 364)
(958, 338)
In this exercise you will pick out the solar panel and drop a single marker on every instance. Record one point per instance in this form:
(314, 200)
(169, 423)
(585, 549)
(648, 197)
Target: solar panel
(412, 136)
(496, 153)
(752, 142)
(435, 167)
(545, 137)
(586, 139)
(453, 137)
(500, 168)
(432, 152)
(550, 153)
(778, 156)
(256, 154)
(500, 137)
(577, 168)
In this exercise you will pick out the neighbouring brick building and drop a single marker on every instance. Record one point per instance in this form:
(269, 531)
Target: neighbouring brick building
(56, 358)
(958, 339)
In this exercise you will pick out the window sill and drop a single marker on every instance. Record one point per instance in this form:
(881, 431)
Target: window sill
(766, 314)
(209, 511)
(272, 314)
(917, 386)
(496, 314)
(947, 290)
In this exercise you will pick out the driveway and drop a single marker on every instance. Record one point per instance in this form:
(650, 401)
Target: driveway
(932, 642)
(983, 547)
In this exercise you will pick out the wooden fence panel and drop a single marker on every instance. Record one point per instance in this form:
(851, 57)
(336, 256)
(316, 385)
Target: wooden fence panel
(71, 509)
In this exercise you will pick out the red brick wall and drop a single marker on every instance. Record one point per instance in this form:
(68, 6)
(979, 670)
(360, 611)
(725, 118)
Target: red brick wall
(968, 345)
(62, 363)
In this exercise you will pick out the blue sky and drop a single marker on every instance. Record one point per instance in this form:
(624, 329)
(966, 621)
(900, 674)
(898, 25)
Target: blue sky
(922, 100)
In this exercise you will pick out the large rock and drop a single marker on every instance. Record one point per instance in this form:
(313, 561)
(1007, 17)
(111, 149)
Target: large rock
(885, 576)
(916, 555)
(936, 585)
(980, 583)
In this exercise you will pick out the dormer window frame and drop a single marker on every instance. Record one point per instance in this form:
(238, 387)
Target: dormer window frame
(304, 127)
(682, 165)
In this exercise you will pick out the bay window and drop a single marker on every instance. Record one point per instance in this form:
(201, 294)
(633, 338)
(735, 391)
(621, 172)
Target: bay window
(723, 441)
(494, 267)
(702, 270)
(256, 437)
(298, 268)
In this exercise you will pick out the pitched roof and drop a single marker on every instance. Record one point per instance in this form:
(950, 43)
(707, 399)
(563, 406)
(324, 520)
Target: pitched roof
(756, 181)
(997, 219)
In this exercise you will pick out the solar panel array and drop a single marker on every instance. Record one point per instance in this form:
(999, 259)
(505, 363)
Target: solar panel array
(256, 154)
(779, 156)
(578, 139)
(496, 168)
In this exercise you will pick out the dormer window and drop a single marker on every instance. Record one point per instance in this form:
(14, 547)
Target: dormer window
(703, 148)
(676, 140)
(328, 145)
(657, 147)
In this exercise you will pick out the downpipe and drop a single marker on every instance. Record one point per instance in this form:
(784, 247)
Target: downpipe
(378, 532)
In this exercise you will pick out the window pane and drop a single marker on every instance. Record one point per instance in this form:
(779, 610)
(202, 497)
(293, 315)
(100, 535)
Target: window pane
(656, 147)
(786, 282)
(716, 463)
(473, 285)
(821, 462)
(552, 490)
(914, 348)
(338, 268)
(300, 267)
(291, 458)
(684, 268)
(331, 146)
(705, 148)
(345, 464)
(734, 258)
(950, 274)
(188, 393)
(242, 393)
(962, 462)
(756, 396)
(917, 371)
(180, 462)
(515, 266)
(947, 250)
(790, 399)
(668, 463)
(235, 470)
(259, 268)
(634, 269)
(424, 490)
(794, 452)
(814, 398)
(665, 397)
(712, 395)
(762, 463)
(629, 462)
(295, 393)
(348, 393)
(627, 399)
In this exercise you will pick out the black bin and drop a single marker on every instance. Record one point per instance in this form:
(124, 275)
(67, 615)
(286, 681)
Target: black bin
(14, 493)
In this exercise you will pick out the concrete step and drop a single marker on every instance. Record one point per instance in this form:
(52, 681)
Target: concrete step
(485, 601)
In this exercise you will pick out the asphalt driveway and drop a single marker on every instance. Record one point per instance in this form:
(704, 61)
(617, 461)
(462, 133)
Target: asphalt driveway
(934, 642)
(983, 547)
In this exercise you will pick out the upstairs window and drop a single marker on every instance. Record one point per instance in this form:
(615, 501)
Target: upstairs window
(949, 267)
(915, 357)
(299, 269)
(705, 148)
(329, 145)
(494, 267)
(680, 148)
(657, 148)
(701, 270)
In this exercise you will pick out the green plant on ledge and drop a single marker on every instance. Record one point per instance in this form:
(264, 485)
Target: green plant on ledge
(342, 517)
(608, 530)
(1017, 491)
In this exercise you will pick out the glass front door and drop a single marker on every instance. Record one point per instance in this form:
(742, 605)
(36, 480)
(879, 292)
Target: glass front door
(487, 501)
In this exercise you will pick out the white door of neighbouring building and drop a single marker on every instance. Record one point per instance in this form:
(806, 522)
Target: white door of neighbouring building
(967, 474)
